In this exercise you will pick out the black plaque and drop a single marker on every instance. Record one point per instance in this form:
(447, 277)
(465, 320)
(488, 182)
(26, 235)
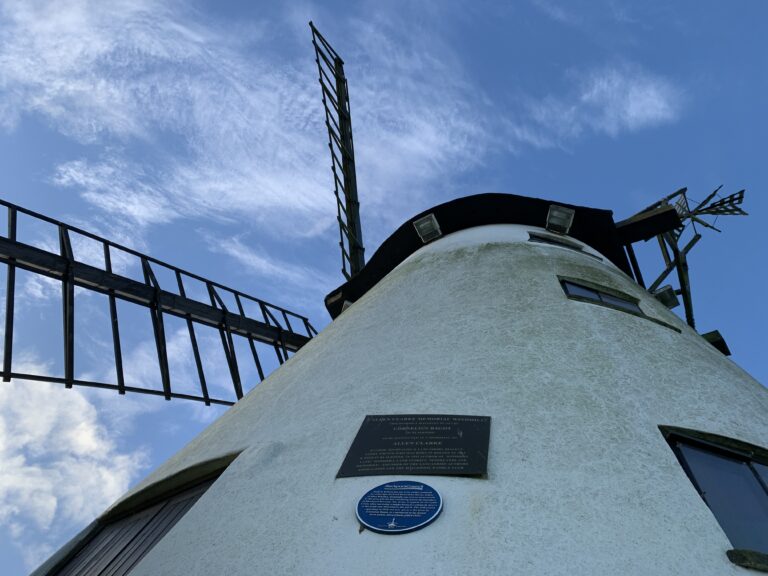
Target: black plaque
(419, 444)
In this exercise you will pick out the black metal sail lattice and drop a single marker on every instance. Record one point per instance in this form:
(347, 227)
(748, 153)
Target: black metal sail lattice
(338, 120)
(282, 330)
(674, 250)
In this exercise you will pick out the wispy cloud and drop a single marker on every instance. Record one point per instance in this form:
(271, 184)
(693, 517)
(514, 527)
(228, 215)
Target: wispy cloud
(60, 463)
(261, 264)
(226, 133)
(418, 119)
(587, 14)
(558, 12)
(117, 187)
(247, 135)
(606, 100)
(148, 73)
(617, 99)
(38, 288)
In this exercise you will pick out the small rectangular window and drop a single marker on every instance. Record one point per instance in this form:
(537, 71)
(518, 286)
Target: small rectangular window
(581, 292)
(733, 493)
(762, 472)
(729, 478)
(553, 240)
(578, 291)
(594, 294)
(622, 303)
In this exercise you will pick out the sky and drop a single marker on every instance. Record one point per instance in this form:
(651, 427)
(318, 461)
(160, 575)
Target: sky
(194, 131)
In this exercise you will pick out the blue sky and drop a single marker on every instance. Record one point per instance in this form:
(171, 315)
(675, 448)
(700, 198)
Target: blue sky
(194, 132)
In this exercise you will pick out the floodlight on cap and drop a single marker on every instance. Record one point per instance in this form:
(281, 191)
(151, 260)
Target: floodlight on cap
(427, 228)
(666, 295)
(559, 219)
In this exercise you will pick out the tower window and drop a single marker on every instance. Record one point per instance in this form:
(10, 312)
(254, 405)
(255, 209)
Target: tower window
(732, 478)
(554, 240)
(585, 293)
(563, 242)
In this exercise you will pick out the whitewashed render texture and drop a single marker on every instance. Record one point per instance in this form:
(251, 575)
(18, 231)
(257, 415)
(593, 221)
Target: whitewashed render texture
(580, 479)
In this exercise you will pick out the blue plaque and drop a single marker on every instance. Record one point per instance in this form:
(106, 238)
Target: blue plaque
(399, 507)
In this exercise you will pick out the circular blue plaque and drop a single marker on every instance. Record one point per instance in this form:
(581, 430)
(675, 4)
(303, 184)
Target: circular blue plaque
(399, 507)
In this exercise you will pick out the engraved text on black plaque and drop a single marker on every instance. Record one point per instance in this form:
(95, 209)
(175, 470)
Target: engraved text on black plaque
(419, 444)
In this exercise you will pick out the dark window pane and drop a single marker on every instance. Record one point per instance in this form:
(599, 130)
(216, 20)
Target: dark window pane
(733, 494)
(580, 291)
(620, 303)
(553, 241)
(762, 471)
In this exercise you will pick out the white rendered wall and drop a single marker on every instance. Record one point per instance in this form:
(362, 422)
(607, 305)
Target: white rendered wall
(581, 481)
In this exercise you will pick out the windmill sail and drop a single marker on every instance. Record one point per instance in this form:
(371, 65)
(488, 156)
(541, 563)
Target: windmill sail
(728, 206)
(338, 120)
(284, 331)
(673, 251)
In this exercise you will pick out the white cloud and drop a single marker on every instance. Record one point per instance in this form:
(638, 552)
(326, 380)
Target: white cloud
(558, 12)
(38, 288)
(260, 263)
(418, 122)
(61, 466)
(117, 187)
(52, 56)
(627, 99)
(226, 132)
(587, 15)
(248, 134)
(608, 100)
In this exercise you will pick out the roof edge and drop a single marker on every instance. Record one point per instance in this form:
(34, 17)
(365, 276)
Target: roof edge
(593, 226)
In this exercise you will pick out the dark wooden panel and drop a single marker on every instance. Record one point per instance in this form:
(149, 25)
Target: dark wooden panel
(121, 544)
(646, 225)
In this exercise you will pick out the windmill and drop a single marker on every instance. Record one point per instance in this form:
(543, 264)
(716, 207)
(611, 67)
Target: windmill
(281, 329)
(493, 307)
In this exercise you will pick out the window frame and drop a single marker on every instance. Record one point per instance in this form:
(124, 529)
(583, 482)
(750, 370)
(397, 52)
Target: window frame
(562, 242)
(732, 449)
(599, 289)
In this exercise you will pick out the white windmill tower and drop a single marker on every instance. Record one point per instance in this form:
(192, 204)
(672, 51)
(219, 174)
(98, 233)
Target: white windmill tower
(505, 351)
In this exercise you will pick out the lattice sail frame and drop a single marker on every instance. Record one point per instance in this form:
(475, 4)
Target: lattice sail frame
(675, 255)
(338, 120)
(274, 328)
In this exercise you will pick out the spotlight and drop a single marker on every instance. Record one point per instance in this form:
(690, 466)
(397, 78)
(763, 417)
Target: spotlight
(666, 295)
(559, 219)
(427, 228)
